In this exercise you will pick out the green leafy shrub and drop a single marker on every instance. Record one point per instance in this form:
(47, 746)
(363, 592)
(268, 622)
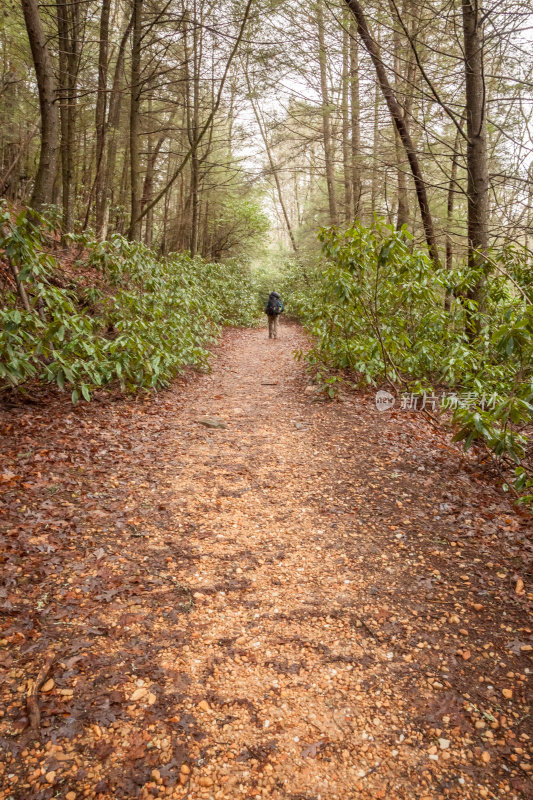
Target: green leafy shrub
(376, 312)
(149, 317)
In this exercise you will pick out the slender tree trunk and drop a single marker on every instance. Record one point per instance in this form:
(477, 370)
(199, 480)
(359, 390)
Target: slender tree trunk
(402, 66)
(273, 167)
(355, 120)
(346, 149)
(476, 154)
(449, 218)
(397, 115)
(134, 232)
(208, 123)
(402, 216)
(375, 153)
(195, 162)
(44, 181)
(68, 17)
(450, 202)
(153, 154)
(113, 123)
(100, 113)
(122, 195)
(164, 240)
(326, 118)
(529, 219)
(22, 150)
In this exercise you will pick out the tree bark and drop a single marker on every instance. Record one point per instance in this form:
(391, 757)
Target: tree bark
(153, 154)
(476, 153)
(375, 140)
(69, 47)
(397, 116)
(134, 232)
(355, 114)
(449, 217)
(346, 160)
(100, 112)
(193, 123)
(44, 181)
(113, 122)
(326, 118)
(402, 217)
(404, 71)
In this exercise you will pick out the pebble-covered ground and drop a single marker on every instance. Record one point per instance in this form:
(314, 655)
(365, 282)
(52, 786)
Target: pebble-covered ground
(237, 589)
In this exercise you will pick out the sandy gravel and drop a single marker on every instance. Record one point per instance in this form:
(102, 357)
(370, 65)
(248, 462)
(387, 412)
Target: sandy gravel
(311, 600)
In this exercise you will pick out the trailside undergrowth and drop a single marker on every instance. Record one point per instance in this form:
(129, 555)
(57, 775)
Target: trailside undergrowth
(140, 322)
(380, 312)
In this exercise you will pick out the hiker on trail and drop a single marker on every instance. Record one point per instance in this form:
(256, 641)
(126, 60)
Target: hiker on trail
(273, 309)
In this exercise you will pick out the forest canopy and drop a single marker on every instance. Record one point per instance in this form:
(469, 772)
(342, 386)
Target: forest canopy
(156, 120)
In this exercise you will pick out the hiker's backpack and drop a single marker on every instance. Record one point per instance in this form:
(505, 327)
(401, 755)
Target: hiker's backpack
(274, 305)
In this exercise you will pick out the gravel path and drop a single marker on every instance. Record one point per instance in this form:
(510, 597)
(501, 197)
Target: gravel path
(301, 600)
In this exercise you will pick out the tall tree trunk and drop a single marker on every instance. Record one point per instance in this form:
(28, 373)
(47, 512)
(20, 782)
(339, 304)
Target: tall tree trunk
(529, 218)
(134, 232)
(397, 115)
(375, 141)
(402, 216)
(326, 118)
(44, 181)
(355, 120)
(451, 201)
(100, 113)
(195, 129)
(68, 19)
(153, 153)
(122, 195)
(113, 122)
(346, 160)
(449, 217)
(164, 240)
(209, 121)
(402, 70)
(273, 167)
(476, 153)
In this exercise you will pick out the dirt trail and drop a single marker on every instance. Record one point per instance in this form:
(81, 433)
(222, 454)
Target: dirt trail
(317, 602)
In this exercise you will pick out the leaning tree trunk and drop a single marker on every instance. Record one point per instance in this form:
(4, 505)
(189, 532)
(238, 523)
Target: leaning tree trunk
(44, 181)
(396, 113)
(476, 154)
(273, 167)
